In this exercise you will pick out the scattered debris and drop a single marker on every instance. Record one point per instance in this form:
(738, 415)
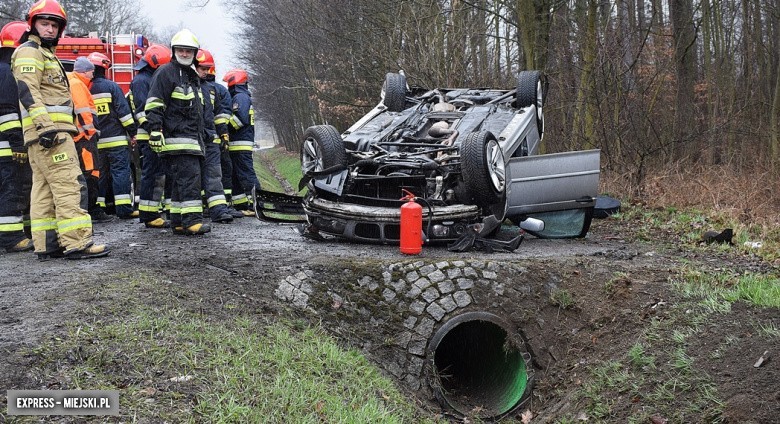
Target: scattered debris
(181, 378)
(657, 419)
(753, 244)
(762, 359)
(723, 237)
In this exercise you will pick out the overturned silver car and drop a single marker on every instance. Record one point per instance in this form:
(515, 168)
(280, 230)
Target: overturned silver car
(465, 154)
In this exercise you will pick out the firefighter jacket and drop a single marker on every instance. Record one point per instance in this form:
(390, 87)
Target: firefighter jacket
(44, 94)
(10, 122)
(115, 121)
(220, 99)
(139, 92)
(242, 121)
(176, 106)
(83, 106)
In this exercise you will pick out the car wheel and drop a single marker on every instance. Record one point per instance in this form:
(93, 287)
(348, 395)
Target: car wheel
(323, 148)
(394, 92)
(532, 90)
(484, 171)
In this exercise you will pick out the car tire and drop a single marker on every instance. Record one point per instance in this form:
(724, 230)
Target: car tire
(532, 90)
(484, 171)
(322, 148)
(394, 92)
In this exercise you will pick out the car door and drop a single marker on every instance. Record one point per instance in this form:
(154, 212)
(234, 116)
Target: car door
(552, 182)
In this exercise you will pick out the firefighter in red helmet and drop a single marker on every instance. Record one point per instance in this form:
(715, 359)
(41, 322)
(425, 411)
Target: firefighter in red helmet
(117, 127)
(60, 223)
(15, 173)
(242, 140)
(152, 180)
(212, 172)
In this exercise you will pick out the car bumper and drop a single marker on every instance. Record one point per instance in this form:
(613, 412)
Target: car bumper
(382, 224)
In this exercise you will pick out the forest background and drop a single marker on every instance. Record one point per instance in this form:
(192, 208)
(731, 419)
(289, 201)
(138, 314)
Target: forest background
(681, 96)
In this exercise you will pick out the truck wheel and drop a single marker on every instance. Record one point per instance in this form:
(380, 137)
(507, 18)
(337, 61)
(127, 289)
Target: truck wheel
(394, 92)
(322, 149)
(484, 172)
(532, 90)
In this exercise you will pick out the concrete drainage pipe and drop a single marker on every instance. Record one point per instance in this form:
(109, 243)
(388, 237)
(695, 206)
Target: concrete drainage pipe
(479, 367)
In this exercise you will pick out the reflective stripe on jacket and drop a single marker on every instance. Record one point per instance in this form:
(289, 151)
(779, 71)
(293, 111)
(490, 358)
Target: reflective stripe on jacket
(84, 107)
(242, 120)
(44, 93)
(115, 121)
(176, 106)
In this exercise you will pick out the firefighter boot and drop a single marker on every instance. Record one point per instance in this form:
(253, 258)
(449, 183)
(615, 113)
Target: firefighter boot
(197, 229)
(157, 223)
(94, 251)
(59, 253)
(23, 246)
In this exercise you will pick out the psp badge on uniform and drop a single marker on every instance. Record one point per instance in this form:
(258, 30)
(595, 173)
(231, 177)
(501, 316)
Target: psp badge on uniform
(63, 402)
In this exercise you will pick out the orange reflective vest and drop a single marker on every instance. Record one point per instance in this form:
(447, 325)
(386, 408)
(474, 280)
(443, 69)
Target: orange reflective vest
(83, 106)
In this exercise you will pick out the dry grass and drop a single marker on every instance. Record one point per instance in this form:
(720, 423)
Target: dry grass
(749, 197)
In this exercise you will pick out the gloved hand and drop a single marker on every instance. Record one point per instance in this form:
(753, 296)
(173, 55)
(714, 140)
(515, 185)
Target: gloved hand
(156, 141)
(19, 154)
(49, 139)
(225, 141)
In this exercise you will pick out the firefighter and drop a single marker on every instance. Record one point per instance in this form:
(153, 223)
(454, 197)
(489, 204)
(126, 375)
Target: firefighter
(117, 127)
(242, 140)
(60, 223)
(152, 173)
(180, 123)
(212, 171)
(86, 140)
(15, 173)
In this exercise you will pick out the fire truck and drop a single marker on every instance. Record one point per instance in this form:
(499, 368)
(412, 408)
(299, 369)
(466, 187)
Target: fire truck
(124, 50)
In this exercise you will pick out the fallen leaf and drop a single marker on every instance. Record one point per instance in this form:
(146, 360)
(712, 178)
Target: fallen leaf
(657, 419)
(526, 416)
(319, 406)
(147, 391)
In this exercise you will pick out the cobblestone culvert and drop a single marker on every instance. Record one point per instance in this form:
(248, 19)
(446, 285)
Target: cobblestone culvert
(450, 330)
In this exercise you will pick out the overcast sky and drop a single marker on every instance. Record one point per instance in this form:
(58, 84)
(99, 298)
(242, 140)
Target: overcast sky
(210, 24)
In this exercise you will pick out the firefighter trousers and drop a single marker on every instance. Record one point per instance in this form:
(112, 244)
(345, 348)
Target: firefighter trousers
(182, 180)
(152, 183)
(213, 191)
(244, 179)
(115, 175)
(58, 201)
(90, 167)
(15, 183)
(227, 174)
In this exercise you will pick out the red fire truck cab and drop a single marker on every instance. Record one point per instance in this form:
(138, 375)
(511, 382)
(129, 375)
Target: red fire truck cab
(124, 50)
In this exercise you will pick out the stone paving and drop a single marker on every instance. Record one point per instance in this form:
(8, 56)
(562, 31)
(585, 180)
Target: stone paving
(427, 294)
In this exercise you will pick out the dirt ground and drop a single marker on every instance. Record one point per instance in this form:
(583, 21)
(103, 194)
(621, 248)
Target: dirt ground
(618, 290)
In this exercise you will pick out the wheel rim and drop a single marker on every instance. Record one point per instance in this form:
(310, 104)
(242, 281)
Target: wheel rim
(312, 156)
(495, 165)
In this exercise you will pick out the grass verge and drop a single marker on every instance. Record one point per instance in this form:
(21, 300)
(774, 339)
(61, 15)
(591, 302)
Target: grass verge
(286, 164)
(173, 364)
(659, 367)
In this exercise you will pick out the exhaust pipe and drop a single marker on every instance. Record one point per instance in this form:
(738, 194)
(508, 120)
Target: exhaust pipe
(479, 367)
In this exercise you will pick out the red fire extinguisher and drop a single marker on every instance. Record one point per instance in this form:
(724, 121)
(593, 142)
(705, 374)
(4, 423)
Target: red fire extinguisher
(411, 225)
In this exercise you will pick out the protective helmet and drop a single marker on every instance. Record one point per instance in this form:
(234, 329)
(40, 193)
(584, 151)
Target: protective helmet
(185, 38)
(47, 9)
(235, 76)
(157, 55)
(205, 58)
(99, 59)
(11, 33)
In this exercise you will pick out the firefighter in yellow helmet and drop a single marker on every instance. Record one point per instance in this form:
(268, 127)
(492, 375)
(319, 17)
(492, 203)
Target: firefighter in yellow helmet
(180, 123)
(60, 223)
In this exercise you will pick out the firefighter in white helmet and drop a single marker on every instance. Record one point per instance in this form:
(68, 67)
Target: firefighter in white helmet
(180, 122)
